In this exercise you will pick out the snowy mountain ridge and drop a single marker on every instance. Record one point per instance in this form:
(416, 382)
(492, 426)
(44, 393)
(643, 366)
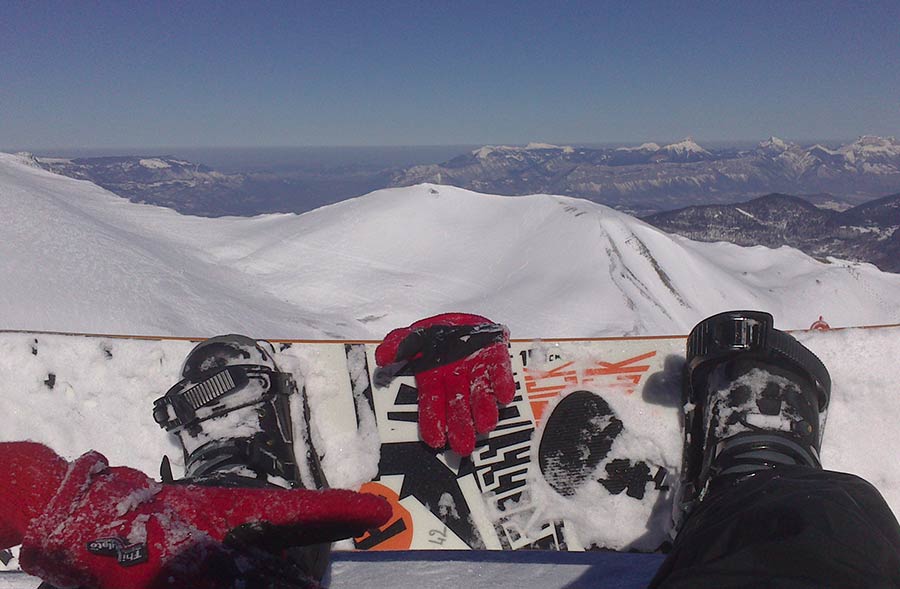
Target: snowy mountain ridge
(867, 232)
(545, 265)
(649, 178)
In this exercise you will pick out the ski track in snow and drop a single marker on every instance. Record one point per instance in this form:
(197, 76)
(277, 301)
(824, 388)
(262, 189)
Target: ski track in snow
(77, 258)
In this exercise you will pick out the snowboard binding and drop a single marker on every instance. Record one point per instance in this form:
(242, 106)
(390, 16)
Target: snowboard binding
(754, 399)
(231, 412)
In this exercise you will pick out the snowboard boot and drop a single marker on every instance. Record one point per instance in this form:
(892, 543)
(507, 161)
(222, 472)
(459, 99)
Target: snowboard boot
(754, 399)
(231, 411)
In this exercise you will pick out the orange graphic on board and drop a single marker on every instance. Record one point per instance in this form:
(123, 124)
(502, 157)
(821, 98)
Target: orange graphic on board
(542, 386)
(397, 533)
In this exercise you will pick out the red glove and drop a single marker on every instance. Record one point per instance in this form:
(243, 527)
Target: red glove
(86, 524)
(462, 369)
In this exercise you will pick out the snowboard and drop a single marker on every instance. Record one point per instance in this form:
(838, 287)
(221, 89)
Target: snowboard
(585, 457)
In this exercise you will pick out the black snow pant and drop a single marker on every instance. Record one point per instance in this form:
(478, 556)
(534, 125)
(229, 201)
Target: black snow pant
(787, 527)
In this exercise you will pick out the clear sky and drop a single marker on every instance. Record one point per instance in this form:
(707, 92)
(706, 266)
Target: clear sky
(134, 74)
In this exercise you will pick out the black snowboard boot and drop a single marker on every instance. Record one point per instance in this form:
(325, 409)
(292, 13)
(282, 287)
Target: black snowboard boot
(754, 399)
(232, 414)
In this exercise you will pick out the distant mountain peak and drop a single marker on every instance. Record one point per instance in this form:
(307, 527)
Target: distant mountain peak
(873, 143)
(649, 146)
(487, 151)
(538, 145)
(154, 163)
(774, 144)
(875, 140)
(686, 145)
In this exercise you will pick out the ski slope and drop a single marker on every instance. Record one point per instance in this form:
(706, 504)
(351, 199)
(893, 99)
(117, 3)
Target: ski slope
(74, 257)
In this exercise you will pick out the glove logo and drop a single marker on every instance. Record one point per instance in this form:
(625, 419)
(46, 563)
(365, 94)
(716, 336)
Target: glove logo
(126, 554)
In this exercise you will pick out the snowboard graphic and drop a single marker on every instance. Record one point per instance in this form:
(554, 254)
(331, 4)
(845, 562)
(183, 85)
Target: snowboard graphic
(585, 457)
(579, 431)
(8, 561)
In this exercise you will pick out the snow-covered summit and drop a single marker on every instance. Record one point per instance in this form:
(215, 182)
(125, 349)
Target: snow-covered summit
(774, 144)
(154, 163)
(685, 146)
(77, 258)
(875, 143)
(873, 150)
(487, 151)
(648, 146)
(538, 145)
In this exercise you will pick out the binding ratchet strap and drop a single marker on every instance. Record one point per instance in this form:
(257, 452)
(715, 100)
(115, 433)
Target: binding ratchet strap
(721, 336)
(179, 406)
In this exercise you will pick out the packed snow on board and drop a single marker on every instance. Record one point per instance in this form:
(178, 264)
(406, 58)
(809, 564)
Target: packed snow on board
(863, 406)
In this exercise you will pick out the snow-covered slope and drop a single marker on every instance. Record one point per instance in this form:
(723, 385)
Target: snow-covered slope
(74, 257)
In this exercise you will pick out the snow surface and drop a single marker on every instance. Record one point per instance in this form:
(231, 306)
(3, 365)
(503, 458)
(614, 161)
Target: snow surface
(154, 163)
(774, 144)
(864, 409)
(686, 145)
(76, 258)
(649, 146)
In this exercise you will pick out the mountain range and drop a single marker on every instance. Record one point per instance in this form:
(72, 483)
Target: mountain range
(197, 189)
(651, 178)
(544, 265)
(645, 178)
(641, 180)
(867, 232)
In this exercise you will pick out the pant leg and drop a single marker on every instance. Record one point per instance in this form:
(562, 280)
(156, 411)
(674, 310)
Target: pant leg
(787, 527)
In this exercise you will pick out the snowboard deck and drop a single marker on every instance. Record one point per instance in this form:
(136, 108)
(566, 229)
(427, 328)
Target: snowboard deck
(586, 456)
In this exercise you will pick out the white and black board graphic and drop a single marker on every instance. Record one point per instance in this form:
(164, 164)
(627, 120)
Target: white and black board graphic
(499, 498)
(574, 401)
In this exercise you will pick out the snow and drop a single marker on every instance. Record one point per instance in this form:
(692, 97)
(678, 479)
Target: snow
(76, 258)
(745, 213)
(650, 146)
(542, 264)
(686, 145)
(870, 147)
(538, 145)
(873, 144)
(488, 150)
(154, 163)
(774, 144)
(864, 409)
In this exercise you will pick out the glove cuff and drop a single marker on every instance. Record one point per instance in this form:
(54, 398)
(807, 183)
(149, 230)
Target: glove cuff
(57, 513)
(30, 475)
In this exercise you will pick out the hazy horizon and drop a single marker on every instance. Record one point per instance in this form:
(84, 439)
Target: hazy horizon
(252, 158)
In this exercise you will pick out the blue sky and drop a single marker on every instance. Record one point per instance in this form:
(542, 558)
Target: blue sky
(132, 74)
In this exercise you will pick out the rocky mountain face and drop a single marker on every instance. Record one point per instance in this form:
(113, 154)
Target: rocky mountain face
(866, 233)
(166, 181)
(651, 178)
(196, 189)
